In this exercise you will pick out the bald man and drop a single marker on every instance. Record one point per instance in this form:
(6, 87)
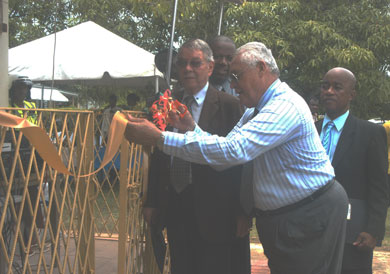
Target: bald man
(358, 152)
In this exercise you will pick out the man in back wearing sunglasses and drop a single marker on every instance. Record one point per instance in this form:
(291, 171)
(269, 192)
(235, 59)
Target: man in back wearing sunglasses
(288, 180)
(199, 205)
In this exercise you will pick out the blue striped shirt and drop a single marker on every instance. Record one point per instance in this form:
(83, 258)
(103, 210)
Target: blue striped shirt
(289, 160)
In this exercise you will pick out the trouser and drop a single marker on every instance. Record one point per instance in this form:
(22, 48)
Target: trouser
(308, 239)
(159, 246)
(191, 253)
(388, 181)
(356, 261)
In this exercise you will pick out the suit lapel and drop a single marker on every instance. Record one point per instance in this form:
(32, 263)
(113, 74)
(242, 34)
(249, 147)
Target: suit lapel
(344, 142)
(319, 126)
(210, 107)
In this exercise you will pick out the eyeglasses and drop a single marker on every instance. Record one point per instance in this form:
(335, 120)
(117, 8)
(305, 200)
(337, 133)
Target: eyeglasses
(236, 77)
(193, 63)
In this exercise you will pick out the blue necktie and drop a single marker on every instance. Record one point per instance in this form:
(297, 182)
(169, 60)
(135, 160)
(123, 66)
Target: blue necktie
(327, 137)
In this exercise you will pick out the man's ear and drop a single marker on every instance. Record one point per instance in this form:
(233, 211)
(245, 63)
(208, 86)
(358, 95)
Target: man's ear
(353, 94)
(261, 66)
(211, 68)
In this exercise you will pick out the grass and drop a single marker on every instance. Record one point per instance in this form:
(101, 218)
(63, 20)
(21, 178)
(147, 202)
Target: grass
(106, 209)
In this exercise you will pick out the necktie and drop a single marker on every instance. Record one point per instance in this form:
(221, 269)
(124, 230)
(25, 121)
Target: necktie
(188, 101)
(326, 138)
(246, 188)
(181, 173)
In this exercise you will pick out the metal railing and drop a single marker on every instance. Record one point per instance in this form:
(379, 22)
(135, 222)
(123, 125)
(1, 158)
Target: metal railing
(50, 221)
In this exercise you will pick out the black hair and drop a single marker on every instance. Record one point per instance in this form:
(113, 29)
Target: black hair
(221, 38)
(113, 96)
(133, 96)
(21, 81)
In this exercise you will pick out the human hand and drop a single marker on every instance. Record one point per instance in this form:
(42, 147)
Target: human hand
(365, 241)
(149, 214)
(141, 131)
(183, 120)
(244, 225)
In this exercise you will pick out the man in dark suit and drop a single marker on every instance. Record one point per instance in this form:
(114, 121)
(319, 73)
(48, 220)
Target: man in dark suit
(199, 205)
(358, 152)
(223, 51)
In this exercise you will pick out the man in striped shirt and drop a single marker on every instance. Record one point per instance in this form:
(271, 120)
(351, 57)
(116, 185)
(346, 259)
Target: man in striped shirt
(300, 209)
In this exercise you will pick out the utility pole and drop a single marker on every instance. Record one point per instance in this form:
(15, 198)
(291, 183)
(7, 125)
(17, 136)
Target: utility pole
(169, 63)
(4, 53)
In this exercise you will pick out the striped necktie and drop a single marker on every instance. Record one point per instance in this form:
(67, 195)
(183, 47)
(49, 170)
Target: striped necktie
(327, 137)
(246, 188)
(181, 172)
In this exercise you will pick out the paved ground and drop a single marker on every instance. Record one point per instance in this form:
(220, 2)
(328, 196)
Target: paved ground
(106, 259)
(258, 260)
(381, 263)
(107, 250)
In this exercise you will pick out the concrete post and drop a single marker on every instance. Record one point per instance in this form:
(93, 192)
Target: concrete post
(4, 53)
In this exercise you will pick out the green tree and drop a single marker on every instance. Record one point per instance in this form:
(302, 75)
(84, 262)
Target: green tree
(29, 20)
(310, 37)
(307, 37)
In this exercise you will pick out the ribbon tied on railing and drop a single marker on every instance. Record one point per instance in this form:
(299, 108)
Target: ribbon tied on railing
(48, 152)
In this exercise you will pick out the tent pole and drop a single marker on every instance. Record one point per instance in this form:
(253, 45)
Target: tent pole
(168, 74)
(42, 94)
(54, 54)
(4, 77)
(220, 19)
(156, 82)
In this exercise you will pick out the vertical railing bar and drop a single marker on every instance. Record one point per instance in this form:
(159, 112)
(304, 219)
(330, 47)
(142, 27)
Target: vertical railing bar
(124, 161)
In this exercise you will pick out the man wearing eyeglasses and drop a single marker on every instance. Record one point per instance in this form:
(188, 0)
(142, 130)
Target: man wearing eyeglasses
(199, 205)
(223, 50)
(358, 152)
(288, 180)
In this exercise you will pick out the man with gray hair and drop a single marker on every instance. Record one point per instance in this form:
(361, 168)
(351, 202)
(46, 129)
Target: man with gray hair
(199, 205)
(288, 180)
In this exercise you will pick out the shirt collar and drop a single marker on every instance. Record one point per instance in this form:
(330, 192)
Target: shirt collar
(268, 94)
(226, 84)
(200, 96)
(338, 122)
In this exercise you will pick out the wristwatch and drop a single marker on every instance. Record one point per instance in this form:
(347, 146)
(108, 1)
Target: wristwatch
(160, 141)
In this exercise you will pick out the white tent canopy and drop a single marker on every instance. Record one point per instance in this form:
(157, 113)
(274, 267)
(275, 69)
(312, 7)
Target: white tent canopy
(56, 95)
(85, 54)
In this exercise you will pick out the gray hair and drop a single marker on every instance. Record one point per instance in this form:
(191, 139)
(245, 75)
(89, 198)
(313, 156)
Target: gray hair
(253, 52)
(198, 44)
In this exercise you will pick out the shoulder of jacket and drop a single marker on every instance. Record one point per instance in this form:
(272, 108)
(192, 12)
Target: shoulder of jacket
(226, 97)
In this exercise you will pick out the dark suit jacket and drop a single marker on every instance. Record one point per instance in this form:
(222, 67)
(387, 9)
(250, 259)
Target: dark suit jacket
(215, 194)
(360, 164)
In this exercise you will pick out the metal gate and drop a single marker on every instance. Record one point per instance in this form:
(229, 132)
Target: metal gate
(49, 221)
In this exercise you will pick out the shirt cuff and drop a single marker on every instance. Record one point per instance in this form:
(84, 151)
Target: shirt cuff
(172, 142)
(197, 129)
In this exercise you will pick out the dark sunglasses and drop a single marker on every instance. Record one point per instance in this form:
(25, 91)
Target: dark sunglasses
(193, 63)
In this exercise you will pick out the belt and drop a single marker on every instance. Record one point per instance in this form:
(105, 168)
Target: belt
(304, 201)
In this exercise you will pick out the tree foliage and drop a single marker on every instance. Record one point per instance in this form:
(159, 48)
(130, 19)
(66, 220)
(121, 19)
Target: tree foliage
(310, 37)
(307, 37)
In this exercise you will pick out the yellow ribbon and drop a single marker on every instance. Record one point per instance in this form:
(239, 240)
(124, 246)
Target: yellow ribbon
(48, 152)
